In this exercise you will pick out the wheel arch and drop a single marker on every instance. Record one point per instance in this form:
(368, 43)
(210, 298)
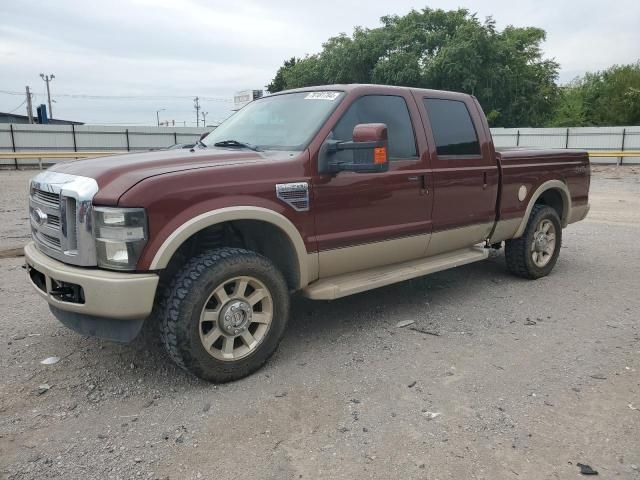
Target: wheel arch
(553, 193)
(291, 254)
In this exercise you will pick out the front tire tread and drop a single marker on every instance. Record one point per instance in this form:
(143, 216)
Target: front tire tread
(183, 296)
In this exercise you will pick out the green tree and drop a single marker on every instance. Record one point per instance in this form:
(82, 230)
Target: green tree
(278, 83)
(610, 97)
(570, 110)
(449, 50)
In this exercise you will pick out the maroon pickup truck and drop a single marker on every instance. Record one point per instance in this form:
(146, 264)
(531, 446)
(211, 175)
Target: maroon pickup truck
(327, 191)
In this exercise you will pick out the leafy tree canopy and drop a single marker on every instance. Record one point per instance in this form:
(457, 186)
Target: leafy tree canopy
(610, 97)
(447, 50)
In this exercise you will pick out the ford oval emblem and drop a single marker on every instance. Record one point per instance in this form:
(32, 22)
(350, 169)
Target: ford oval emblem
(39, 216)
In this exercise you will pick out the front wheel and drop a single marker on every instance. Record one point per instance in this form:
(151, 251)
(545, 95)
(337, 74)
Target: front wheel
(535, 253)
(224, 314)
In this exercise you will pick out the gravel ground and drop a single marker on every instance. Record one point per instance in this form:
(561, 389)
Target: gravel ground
(14, 214)
(497, 378)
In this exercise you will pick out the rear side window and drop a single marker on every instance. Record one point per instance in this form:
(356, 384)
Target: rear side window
(452, 127)
(388, 109)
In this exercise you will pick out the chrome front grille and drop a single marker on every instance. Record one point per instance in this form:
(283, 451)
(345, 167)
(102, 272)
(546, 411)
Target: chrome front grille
(53, 242)
(53, 220)
(45, 220)
(60, 214)
(48, 198)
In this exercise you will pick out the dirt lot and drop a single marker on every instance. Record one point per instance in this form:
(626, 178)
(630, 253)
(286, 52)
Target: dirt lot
(527, 378)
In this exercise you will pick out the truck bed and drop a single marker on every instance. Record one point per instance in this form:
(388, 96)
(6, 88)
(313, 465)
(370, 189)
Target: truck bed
(527, 170)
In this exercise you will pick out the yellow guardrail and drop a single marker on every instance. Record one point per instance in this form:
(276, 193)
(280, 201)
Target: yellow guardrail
(612, 153)
(92, 154)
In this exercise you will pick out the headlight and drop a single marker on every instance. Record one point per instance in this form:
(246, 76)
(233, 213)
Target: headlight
(121, 234)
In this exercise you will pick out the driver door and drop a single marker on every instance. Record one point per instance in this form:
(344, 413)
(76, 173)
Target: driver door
(365, 220)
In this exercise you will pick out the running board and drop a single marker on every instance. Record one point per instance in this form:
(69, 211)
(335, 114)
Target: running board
(349, 283)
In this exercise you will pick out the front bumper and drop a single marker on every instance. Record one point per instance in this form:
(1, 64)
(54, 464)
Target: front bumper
(97, 293)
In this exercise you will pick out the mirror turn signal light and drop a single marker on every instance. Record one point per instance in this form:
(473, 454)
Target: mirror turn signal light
(380, 155)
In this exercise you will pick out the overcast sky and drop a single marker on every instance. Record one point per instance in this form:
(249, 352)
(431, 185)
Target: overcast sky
(182, 48)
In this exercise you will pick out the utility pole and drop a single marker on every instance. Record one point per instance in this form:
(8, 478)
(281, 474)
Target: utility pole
(158, 115)
(204, 118)
(196, 105)
(29, 106)
(47, 79)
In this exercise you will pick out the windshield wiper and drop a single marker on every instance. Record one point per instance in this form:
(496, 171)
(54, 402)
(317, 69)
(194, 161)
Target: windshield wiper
(236, 143)
(201, 143)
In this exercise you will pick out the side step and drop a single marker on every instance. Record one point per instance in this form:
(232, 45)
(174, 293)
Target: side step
(349, 283)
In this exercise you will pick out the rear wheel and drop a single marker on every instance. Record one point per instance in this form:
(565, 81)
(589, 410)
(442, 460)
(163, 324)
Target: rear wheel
(535, 253)
(224, 314)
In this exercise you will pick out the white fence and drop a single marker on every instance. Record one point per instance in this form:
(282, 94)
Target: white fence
(79, 138)
(585, 138)
(82, 138)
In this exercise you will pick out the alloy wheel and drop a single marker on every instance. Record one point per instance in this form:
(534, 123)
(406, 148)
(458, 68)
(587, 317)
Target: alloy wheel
(236, 318)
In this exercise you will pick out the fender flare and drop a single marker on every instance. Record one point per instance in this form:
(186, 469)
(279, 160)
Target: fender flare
(548, 185)
(183, 232)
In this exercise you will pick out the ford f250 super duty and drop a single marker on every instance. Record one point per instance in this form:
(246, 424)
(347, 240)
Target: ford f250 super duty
(327, 191)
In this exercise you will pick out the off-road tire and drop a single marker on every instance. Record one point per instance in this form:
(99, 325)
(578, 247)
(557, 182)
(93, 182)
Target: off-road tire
(186, 295)
(518, 251)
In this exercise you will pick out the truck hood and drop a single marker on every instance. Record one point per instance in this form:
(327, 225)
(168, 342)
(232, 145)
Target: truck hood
(118, 173)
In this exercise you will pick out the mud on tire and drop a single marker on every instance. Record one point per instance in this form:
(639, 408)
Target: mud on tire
(192, 298)
(521, 254)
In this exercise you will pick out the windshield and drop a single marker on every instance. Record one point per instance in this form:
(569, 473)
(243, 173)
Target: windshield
(279, 122)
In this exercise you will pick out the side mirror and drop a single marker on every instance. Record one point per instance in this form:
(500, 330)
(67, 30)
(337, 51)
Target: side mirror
(369, 148)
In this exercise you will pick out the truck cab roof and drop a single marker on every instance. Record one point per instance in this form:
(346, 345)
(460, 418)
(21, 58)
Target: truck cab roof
(366, 88)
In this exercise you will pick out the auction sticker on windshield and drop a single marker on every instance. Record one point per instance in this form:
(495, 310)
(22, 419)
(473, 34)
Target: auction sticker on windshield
(322, 96)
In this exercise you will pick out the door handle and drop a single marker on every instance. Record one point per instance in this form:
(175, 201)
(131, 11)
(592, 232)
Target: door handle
(422, 180)
(484, 180)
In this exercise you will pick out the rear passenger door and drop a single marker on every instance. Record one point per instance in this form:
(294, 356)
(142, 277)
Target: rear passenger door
(464, 173)
(370, 219)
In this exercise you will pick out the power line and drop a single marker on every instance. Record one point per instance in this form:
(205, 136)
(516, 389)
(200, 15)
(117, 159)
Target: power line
(144, 123)
(11, 93)
(97, 122)
(23, 102)
(127, 97)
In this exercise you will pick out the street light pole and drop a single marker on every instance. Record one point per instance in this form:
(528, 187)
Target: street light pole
(47, 79)
(158, 115)
(204, 118)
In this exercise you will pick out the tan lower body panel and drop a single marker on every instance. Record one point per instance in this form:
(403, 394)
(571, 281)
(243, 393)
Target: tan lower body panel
(312, 268)
(456, 238)
(578, 213)
(505, 229)
(351, 283)
(369, 255)
(117, 295)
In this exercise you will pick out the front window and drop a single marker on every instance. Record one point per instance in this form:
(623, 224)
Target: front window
(279, 122)
(388, 109)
